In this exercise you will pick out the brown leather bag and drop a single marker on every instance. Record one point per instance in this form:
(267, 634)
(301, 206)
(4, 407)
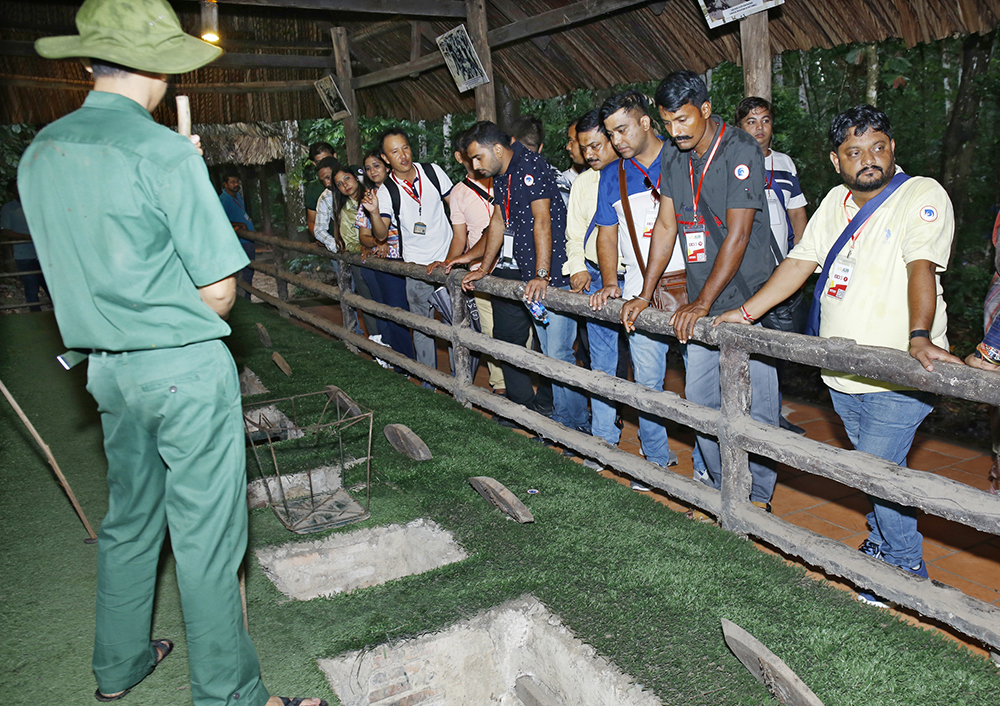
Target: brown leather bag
(671, 291)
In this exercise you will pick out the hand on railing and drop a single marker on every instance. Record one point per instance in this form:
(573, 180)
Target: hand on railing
(534, 289)
(976, 360)
(926, 353)
(579, 282)
(446, 264)
(599, 298)
(469, 281)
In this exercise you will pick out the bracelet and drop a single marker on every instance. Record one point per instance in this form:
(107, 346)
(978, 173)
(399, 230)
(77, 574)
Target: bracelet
(988, 353)
(920, 333)
(644, 299)
(746, 317)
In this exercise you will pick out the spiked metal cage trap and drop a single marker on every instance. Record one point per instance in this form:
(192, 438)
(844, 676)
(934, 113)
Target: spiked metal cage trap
(303, 449)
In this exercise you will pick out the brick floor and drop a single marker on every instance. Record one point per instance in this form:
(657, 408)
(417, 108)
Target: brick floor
(959, 556)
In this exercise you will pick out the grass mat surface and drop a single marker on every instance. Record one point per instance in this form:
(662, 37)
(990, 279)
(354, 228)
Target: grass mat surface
(642, 584)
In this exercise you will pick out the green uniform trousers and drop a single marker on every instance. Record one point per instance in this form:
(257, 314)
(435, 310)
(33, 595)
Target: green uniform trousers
(173, 435)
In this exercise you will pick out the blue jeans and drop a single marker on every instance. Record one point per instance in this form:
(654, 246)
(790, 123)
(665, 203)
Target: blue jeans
(649, 364)
(557, 338)
(603, 357)
(883, 424)
(702, 387)
(246, 274)
(32, 283)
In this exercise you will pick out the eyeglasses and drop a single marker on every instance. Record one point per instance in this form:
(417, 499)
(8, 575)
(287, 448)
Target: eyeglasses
(649, 185)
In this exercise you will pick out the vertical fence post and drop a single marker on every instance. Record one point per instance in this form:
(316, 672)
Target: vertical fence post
(459, 320)
(734, 378)
(349, 313)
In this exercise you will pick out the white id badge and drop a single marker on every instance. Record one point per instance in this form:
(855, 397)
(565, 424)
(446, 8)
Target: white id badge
(508, 245)
(695, 240)
(419, 228)
(647, 229)
(840, 277)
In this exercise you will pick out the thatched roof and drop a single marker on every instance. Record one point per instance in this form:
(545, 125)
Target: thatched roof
(241, 143)
(639, 43)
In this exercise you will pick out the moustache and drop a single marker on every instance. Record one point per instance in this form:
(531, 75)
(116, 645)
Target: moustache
(683, 138)
(862, 171)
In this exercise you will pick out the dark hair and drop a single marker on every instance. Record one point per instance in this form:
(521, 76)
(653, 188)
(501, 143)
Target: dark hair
(339, 199)
(389, 133)
(376, 153)
(485, 133)
(749, 105)
(528, 130)
(456, 142)
(631, 101)
(861, 118)
(228, 173)
(108, 69)
(589, 121)
(317, 147)
(330, 162)
(679, 89)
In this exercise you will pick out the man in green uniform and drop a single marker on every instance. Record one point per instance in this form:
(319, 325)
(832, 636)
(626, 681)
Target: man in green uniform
(141, 260)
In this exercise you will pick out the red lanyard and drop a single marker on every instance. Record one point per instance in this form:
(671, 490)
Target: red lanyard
(711, 156)
(506, 207)
(770, 175)
(411, 188)
(849, 219)
(655, 190)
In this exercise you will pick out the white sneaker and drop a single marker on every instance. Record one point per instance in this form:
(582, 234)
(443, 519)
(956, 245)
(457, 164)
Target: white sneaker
(639, 487)
(378, 340)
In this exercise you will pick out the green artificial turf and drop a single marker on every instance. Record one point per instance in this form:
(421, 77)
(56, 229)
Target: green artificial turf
(640, 583)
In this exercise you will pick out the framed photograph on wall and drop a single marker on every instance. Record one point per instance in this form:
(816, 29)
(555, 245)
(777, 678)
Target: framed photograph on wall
(462, 59)
(719, 12)
(330, 95)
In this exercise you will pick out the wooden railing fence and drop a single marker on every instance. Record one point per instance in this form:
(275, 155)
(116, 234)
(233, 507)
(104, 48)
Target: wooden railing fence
(738, 433)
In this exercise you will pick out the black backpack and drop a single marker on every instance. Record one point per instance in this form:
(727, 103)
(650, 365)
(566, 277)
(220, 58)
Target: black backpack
(396, 198)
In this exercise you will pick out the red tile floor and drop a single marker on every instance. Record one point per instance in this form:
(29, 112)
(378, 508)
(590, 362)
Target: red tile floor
(959, 556)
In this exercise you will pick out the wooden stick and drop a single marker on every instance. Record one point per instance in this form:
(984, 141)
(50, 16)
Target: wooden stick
(184, 116)
(52, 460)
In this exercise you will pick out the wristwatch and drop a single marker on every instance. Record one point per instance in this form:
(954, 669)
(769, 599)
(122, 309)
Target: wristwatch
(542, 273)
(920, 333)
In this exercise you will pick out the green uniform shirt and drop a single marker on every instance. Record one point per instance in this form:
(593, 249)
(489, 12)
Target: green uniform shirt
(127, 226)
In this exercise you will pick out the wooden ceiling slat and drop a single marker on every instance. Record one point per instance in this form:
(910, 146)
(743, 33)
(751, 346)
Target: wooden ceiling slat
(628, 45)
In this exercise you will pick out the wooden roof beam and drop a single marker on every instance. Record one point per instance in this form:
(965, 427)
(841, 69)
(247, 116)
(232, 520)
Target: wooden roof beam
(418, 8)
(515, 13)
(550, 21)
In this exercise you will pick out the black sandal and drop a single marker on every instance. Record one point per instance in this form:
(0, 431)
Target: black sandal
(298, 701)
(166, 645)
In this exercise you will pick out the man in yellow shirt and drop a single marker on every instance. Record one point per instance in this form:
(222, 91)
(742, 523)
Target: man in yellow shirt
(884, 289)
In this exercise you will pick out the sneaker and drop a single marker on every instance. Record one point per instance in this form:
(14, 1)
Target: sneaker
(640, 487)
(766, 507)
(920, 570)
(378, 340)
(869, 548)
(672, 460)
(788, 426)
(701, 476)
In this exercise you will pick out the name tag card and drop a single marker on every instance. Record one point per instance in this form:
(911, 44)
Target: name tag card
(840, 278)
(695, 238)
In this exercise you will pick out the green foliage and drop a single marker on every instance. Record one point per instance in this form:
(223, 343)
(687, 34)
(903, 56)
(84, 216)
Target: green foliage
(14, 140)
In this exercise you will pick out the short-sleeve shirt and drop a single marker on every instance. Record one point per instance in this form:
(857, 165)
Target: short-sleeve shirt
(392, 240)
(783, 195)
(529, 178)
(12, 218)
(644, 207)
(735, 179)
(470, 209)
(915, 223)
(128, 240)
(432, 245)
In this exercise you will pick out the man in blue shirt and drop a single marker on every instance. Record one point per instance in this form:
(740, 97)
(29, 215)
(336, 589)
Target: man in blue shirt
(628, 124)
(232, 202)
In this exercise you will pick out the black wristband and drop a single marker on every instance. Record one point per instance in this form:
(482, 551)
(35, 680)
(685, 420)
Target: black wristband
(920, 333)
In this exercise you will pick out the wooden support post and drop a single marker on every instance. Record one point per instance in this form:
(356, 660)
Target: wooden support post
(295, 210)
(486, 105)
(342, 57)
(460, 353)
(755, 45)
(265, 199)
(734, 377)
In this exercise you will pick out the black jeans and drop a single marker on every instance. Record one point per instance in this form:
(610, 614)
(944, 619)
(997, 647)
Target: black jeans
(512, 323)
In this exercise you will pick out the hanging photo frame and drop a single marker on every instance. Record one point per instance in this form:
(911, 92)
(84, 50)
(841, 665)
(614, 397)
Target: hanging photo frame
(462, 59)
(329, 93)
(720, 12)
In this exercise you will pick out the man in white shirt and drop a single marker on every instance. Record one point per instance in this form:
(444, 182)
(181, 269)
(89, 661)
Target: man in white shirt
(413, 199)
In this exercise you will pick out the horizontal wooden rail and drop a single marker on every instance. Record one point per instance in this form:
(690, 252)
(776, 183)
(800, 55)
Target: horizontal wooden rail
(738, 433)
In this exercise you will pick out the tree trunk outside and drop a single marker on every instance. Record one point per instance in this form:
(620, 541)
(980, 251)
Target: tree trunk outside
(959, 145)
(872, 85)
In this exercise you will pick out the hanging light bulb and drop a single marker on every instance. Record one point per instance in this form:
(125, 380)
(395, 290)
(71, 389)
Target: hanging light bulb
(209, 21)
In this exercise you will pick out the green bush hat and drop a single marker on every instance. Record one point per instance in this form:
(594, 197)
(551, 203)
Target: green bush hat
(140, 34)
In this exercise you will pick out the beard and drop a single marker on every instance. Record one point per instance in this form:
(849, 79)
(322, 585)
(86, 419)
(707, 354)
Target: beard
(873, 183)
